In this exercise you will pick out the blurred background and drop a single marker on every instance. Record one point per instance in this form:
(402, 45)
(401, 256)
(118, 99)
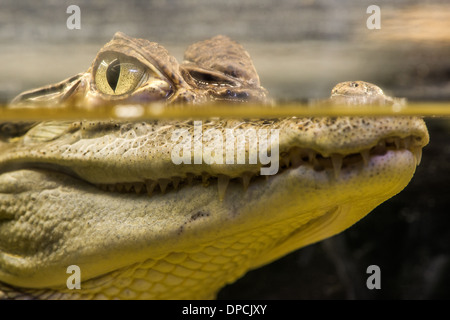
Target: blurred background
(301, 49)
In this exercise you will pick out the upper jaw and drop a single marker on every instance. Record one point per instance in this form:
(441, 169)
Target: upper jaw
(138, 157)
(336, 164)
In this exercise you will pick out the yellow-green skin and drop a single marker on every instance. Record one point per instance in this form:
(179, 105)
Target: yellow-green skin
(186, 243)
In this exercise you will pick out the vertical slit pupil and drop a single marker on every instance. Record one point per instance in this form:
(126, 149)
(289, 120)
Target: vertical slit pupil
(113, 73)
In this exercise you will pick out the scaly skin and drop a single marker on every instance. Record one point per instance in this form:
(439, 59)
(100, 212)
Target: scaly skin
(84, 193)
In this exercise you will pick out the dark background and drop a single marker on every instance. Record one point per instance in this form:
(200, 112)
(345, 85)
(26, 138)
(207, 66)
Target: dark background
(300, 49)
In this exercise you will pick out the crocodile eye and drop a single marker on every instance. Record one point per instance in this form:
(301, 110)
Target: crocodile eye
(113, 74)
(118, 74)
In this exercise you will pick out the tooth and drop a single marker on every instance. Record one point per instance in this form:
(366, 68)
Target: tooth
(111, 188)
(417, 152)
(119, 187)
(176, 182)
(163, 184)
(285, 161)
(246, 180)
(127, 186)
(407, 142)
(138, 187)
(311, 156)
(205, 179)
(316, 164)
(150, 184)
(397, 143)
(222, 185)
(296, 157)
(336, 160)
(190, 178)
(365, 154)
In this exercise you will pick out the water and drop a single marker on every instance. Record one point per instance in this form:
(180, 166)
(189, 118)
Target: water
(301, 49)
(158, 111)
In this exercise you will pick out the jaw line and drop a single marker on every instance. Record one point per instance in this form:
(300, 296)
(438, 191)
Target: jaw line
(301, 213)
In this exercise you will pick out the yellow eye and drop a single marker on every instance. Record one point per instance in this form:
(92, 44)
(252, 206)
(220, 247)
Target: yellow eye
(118, 74)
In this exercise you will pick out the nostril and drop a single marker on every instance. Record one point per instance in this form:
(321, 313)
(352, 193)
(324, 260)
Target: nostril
(238, 95)
(242, 95)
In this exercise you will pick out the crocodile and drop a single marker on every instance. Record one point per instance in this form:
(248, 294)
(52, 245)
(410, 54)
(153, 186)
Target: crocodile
(107, 197)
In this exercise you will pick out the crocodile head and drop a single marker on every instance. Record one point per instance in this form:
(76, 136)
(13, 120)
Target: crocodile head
(157, 209)
(128, 70)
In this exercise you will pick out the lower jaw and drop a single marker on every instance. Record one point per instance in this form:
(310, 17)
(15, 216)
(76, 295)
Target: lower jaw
(301, 195)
